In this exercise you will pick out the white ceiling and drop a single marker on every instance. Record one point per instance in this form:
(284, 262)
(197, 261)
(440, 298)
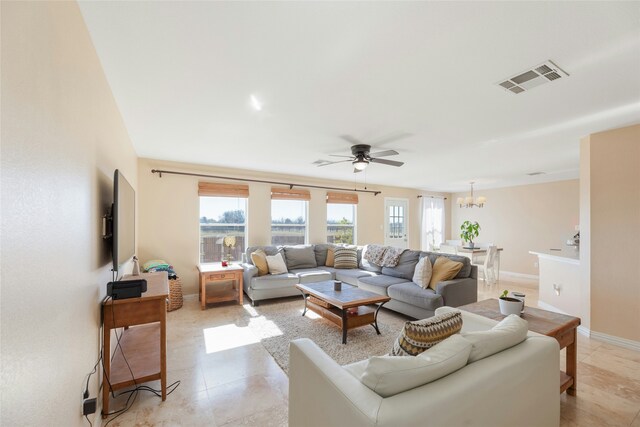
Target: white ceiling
(182, 74)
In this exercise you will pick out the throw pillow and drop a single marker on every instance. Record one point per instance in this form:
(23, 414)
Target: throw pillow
(443, 269)
(420, 335)
(389, 375)
(423, 272)
(259, 259)
(300, 256)
(510, 331)
(330, 258)
(276, 264)
(345, 258)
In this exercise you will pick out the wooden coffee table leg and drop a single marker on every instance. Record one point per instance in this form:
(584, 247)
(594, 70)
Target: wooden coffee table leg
(344, 325)
(572, 363)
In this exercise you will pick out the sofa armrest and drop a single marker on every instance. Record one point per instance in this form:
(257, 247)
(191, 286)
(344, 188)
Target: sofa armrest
(458, 292)
(249, 271)
(322, 393)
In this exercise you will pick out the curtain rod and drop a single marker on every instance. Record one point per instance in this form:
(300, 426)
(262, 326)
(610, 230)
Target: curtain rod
(433, 197)
(160, 172)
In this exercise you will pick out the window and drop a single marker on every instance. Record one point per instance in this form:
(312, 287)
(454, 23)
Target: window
(223, 221)
(432, 222)
(341, 217)
(341, 223)
(288, 222)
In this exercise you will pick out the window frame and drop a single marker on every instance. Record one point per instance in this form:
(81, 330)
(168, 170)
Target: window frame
(354, 207)
(237, 256)
(305, 217)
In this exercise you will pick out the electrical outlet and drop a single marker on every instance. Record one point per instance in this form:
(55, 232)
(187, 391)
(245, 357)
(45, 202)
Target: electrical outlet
(89, 406)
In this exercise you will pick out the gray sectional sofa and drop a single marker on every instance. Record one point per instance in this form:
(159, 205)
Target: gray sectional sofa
(306, 264)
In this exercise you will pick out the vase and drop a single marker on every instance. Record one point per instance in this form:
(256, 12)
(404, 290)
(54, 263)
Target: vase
(470, 245)
(510, 305)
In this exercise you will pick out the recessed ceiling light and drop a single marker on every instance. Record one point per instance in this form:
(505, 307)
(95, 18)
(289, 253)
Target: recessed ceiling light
(257, 105)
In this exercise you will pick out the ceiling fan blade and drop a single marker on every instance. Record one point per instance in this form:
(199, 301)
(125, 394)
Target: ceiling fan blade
(338, 155)
(350, 139)
(333, 163)
(387, 162)
(355, 170)
(393, 137)
(384, 153)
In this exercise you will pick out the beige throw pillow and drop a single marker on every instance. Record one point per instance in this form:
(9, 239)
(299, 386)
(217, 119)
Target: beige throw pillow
(422, 273)
(276, 264)
(444, 269)
(259, 259)
(420, 335)
(330, 258)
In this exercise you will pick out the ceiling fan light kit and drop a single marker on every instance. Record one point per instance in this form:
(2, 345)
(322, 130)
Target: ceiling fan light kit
(361, 156)
(470, 201)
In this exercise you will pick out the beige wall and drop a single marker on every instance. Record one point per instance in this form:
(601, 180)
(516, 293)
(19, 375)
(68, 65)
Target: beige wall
(523, 218)
(62, 137)
(614, 192)
(169, 213)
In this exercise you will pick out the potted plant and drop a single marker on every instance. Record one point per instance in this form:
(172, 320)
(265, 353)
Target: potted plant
(469, 231)
(509, 305)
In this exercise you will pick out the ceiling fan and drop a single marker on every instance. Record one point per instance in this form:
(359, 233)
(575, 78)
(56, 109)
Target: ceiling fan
(362, 156)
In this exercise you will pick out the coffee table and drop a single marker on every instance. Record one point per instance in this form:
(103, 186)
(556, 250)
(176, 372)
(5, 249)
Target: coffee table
(559, 326)
(348, 308)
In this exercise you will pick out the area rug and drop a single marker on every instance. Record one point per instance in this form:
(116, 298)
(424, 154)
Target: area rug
(276, 324)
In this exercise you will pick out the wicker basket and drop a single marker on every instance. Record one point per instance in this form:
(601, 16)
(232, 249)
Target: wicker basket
(175, 295)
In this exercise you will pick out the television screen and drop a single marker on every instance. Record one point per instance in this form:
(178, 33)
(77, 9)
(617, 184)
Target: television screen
(124, 221)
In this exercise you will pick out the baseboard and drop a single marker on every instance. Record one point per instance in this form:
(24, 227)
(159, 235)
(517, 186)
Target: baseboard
(582, 330)
(611, 339)
(526, 280)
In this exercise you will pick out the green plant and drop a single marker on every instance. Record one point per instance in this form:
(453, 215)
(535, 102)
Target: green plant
(504, 294)
(469, 231)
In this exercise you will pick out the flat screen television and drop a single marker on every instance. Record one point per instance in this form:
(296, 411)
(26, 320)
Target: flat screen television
(124, 221)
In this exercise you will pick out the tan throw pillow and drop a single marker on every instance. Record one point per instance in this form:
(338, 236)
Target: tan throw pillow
(259, 259)
(345, 258)
(422, 273)
(276, 264)
(421, 335)
(330, 258)
(444, 269)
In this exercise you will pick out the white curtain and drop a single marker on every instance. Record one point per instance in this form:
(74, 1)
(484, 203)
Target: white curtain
(432, 233)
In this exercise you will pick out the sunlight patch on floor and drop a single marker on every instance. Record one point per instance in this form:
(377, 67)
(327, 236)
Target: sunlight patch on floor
(264, 327)
(226, 337)
(310, 314)
(249, 309)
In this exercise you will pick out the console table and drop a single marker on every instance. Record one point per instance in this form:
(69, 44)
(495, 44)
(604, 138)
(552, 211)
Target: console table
(143, 340)
(215, 272)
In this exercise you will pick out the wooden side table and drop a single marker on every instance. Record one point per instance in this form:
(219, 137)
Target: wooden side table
(215, 272)
(143, 341)
(559, 326)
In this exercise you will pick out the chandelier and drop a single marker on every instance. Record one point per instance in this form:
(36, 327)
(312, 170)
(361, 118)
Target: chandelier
(470, 201)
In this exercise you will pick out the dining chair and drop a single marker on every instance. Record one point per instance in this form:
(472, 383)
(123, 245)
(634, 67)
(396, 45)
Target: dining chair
(448, 249)
(489, 266)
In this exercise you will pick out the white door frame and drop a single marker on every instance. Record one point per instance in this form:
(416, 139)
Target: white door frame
(389, 201)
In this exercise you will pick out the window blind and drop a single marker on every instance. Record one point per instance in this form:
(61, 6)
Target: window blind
(216, 189)
(279, 193)
(344, 198)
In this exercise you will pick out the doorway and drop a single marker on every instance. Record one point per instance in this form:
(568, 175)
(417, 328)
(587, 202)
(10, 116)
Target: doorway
(395, 222)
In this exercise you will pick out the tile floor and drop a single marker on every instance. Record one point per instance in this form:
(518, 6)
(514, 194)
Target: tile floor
(229, 379)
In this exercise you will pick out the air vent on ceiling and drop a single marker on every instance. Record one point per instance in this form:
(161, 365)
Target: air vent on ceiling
(533, 77)
(535, 173)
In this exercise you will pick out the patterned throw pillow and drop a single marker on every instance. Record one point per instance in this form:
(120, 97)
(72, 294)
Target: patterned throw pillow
(259, 259)
(421, 335)
(330, 258)
(345, 258)
(422, 274)
(444, 269)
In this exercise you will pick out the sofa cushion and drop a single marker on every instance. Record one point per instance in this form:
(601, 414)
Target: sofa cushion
(510, 331)
(366, 265)
(312, 275)
(413, 294)
(259, 260)
(444, 269)
(274, 281)
(420, 335)
(423, 272)
(345, 258)
(276, 264)
(351, 276)
(320, 252)
(269, 250)
(464, 273)
(405, 267)
(390, 375)
(300, 256)
(379, 283)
